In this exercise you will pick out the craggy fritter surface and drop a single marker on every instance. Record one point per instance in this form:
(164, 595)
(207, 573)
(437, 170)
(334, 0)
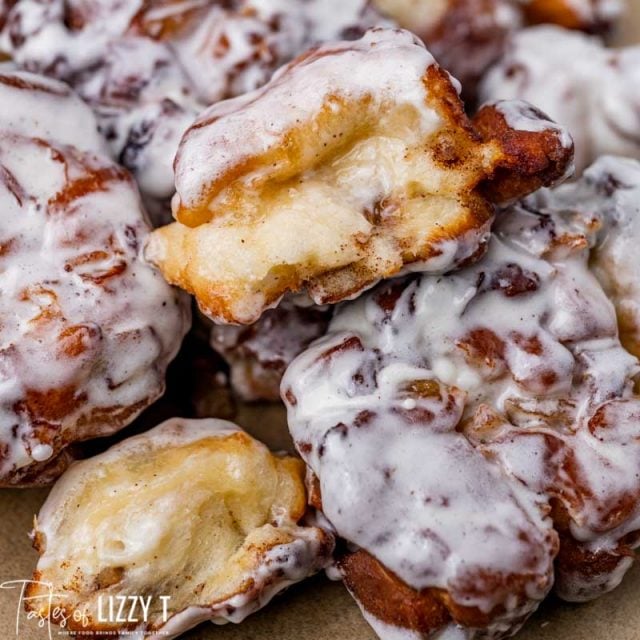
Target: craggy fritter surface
(193, 509)
(355, 162)
(259, 354)
(491, 417)
(87, 328)
(147, 67)
(609, 194)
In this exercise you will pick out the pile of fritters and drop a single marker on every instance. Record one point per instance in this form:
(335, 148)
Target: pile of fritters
(443, 294)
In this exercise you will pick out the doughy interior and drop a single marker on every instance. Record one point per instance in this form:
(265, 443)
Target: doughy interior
(385, 199)
(190, 522)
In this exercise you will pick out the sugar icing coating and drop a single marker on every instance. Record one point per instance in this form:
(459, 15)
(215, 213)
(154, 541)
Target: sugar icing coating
(248, 39)
(143, 102)
(255, 123)
(87, 328)
(609, 194)
(66, 118)
(488, 414)
(221, 554)
(254, 37)
(591, 90)
(147, 68)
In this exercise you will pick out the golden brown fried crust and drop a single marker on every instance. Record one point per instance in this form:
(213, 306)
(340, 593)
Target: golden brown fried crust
(443, 97)
(387, 598)
(532, 159)
(314, 494)
(577, 563)
(42, 473)
(529, 159)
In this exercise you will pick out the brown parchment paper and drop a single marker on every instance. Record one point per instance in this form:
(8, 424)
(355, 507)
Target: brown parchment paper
(316, 609)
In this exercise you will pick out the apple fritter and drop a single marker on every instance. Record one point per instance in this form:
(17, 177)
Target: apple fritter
(87, 328)
(195, 517)
(490, 415)
(354, 163)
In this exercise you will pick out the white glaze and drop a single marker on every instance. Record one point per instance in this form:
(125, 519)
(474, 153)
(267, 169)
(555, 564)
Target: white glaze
(54, 287)
(37, 36)
(386, 64)
(146, 92)
(525, 349)
(258, 354)
(46, 109)
(609, 194)
(144, 102)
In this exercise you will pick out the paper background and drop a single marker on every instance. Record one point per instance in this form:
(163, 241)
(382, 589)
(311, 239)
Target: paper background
(316, 609)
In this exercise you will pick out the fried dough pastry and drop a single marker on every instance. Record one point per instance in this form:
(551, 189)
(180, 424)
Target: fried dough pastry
(355, 162)
(511, 373)
(87, 328)
(225, 46)
(147, 67)
(467, 36)
(259, 353)
(195, 510)
(591, 90)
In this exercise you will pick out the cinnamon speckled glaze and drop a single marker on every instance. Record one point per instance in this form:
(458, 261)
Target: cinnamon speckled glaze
(475, 437)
